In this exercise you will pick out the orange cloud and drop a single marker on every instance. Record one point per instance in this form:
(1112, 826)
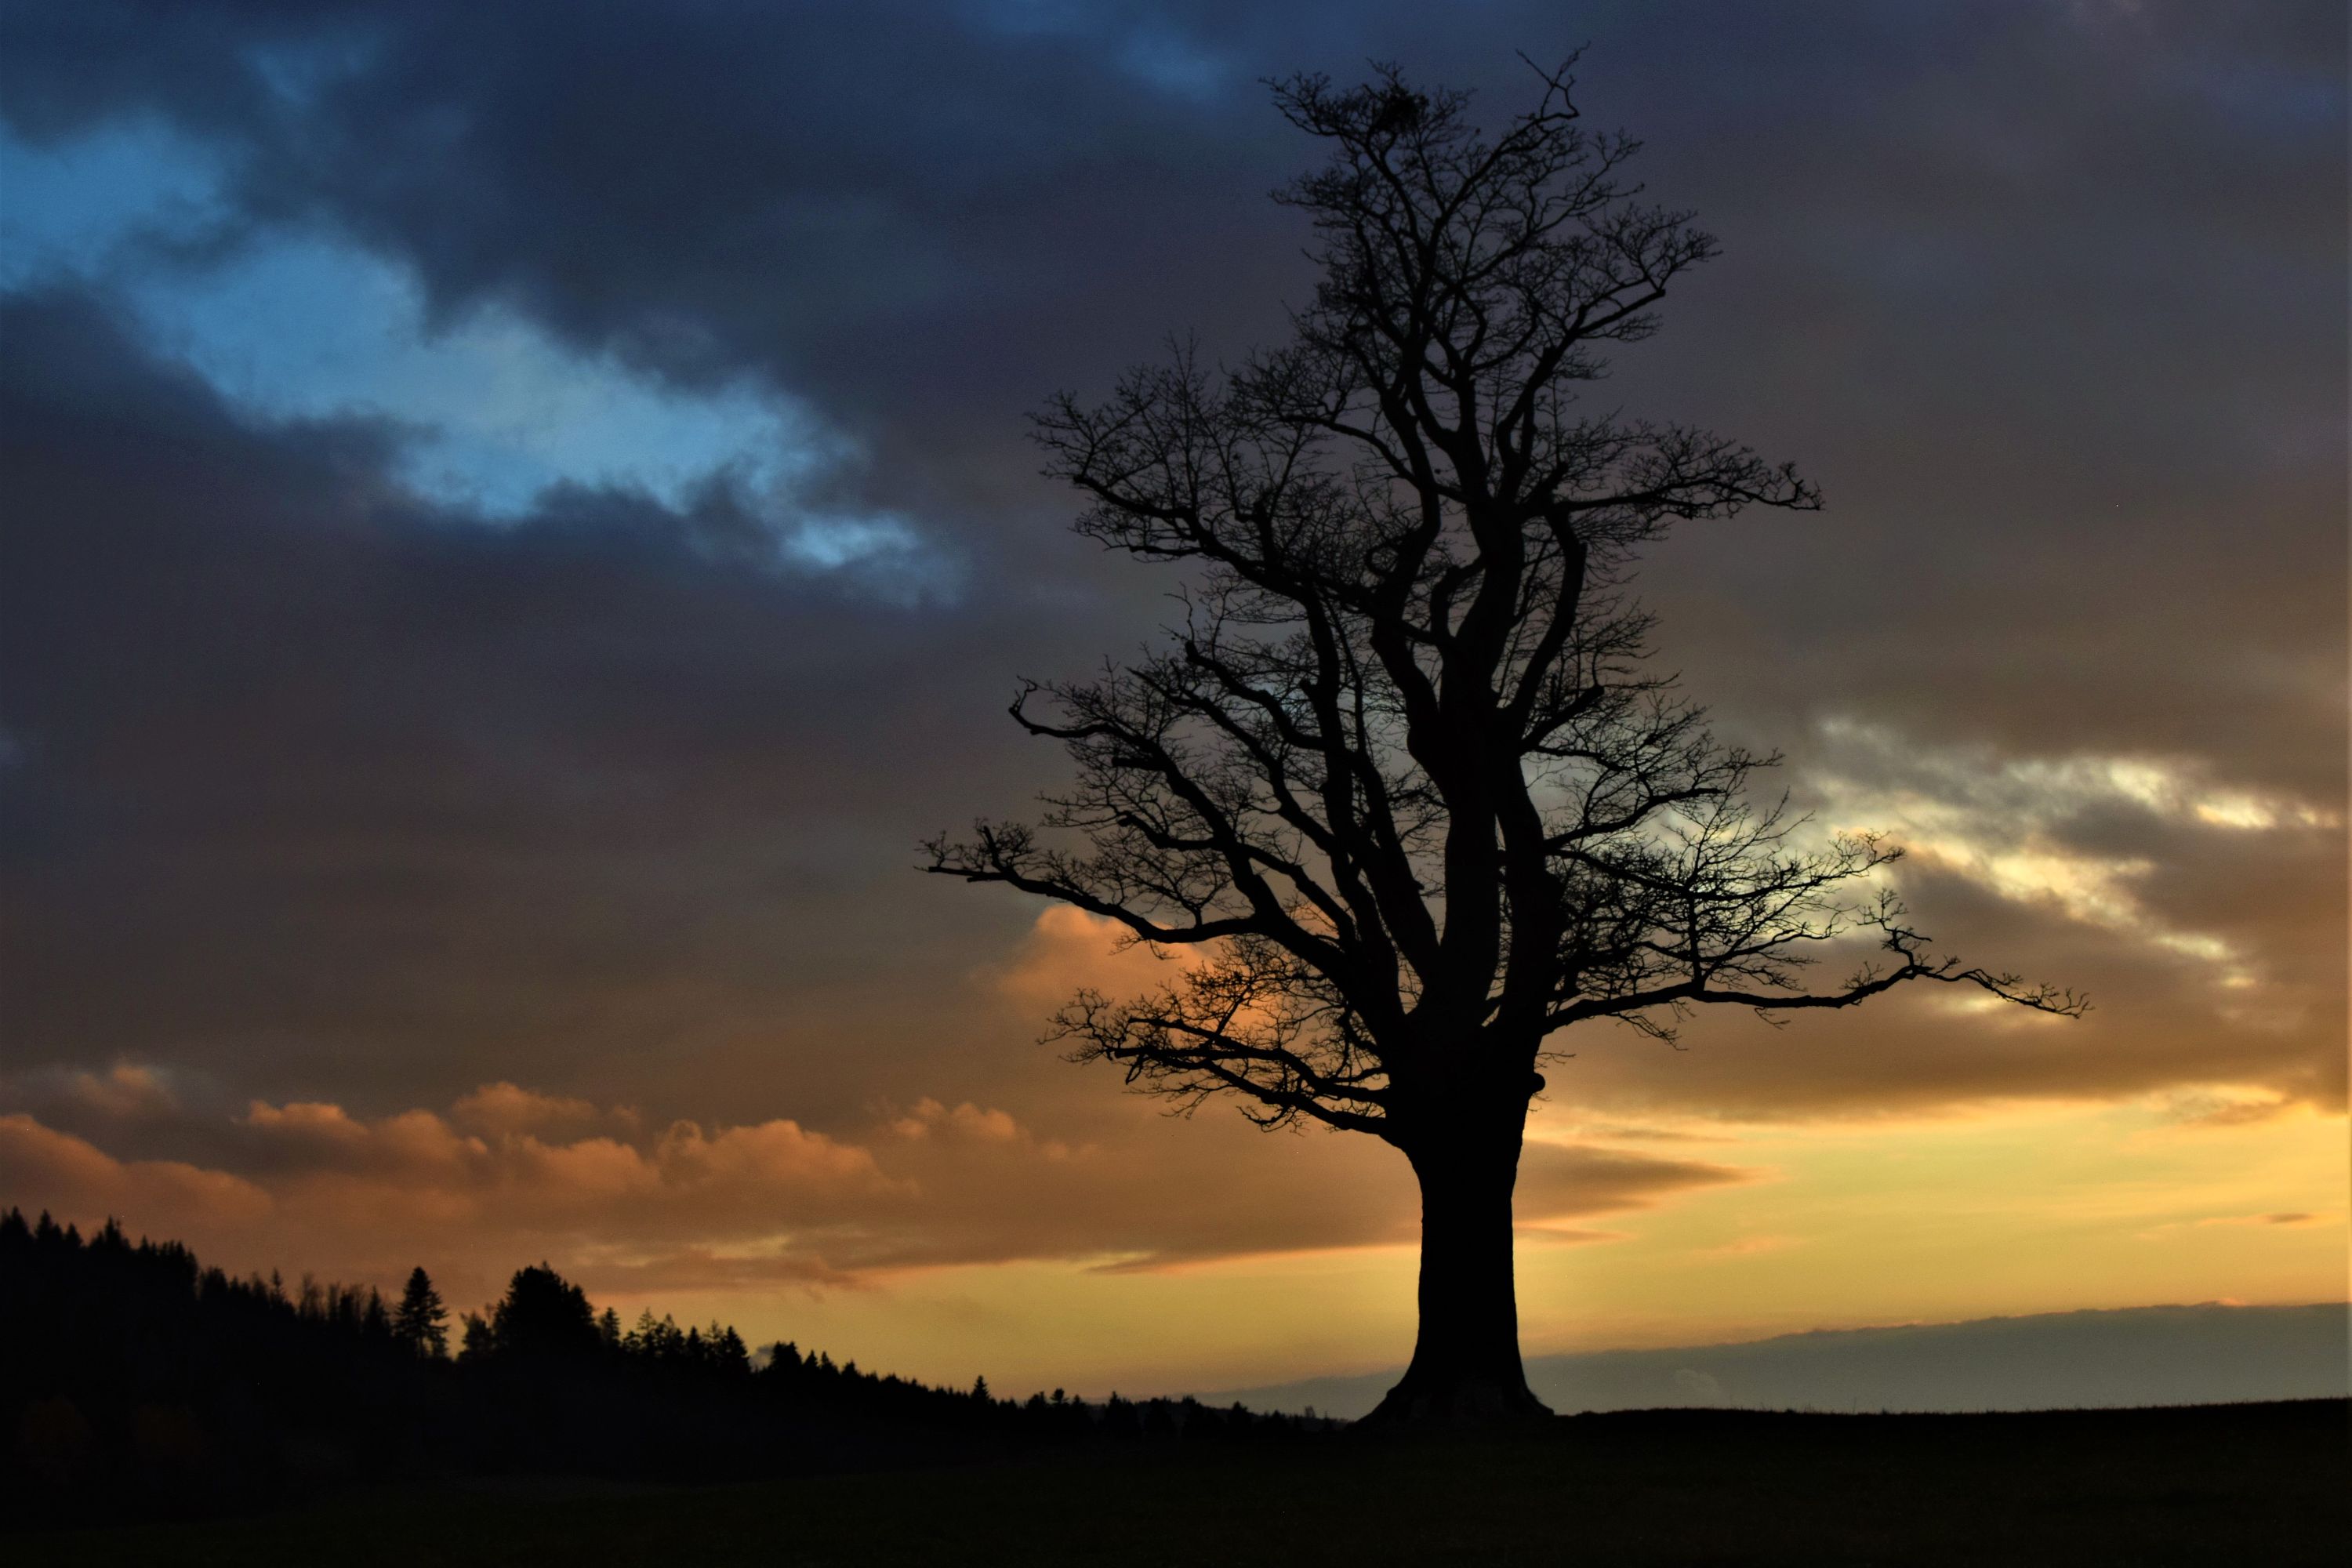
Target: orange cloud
(42, 1168)
(2208, 1108)
(2293, 1217)
(1068, 948)
(1561, 1181)
(508, 1108)
(776, 1202)
(966, 1120)
(126, 1089)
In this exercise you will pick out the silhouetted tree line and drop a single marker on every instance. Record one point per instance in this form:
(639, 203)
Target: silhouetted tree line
(133, 1381)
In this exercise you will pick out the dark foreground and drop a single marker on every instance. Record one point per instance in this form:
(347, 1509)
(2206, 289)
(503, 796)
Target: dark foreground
(2240, 1484)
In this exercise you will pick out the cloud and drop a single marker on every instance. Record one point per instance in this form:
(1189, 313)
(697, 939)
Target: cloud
(965, 1120)
(1750, 1245)
(1068, 949)
(491, 412)
(479, 479)
(2224, 1109)
(1560, 1181)
(771, 1153)
(1566, 1236)
(2081, 834)
(700, 1269)
(407, 789)
(1615, 1130)
(2202, 914)
(75, 1178)
(1700, 1387)
(125, 1089)
(689, 1207)
(509, 1108)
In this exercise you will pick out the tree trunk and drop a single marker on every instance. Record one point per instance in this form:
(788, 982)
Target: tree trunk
(1466, 1362)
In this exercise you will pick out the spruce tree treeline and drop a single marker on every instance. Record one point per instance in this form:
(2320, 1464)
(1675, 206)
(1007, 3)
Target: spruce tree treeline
(134, 1381)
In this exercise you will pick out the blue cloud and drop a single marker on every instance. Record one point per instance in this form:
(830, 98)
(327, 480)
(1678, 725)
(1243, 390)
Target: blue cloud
(93, 203)
(293, 324)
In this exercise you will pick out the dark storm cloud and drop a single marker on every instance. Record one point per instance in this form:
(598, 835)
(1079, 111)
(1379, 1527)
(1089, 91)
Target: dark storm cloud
(924, 216)
(322, 790)
(2048, 297)
(314, 781)
(2046, 285)
(2056, 317)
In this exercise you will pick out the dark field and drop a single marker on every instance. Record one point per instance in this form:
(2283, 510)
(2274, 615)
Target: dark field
(2255, 1484)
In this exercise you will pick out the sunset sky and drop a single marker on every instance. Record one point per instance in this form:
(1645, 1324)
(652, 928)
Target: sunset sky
(518, 520)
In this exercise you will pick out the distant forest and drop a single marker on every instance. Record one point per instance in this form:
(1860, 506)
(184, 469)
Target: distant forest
(136, 1383)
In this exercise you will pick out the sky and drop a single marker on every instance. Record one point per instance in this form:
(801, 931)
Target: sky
(518, 519)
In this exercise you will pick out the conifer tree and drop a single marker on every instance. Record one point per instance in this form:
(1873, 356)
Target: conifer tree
(542, 1314)
(420, 1321)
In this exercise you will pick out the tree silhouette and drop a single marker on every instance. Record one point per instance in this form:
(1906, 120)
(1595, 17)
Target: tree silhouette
(420, 1321)
(134, 1381)
(1402, 782)
(542, 1316)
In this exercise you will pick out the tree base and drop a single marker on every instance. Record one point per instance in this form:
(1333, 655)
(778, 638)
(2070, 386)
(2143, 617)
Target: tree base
(1457, 1405)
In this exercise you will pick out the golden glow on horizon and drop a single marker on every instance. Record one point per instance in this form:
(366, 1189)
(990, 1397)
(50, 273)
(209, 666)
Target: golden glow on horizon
(1949, 1157)
(2225, 1193)
(2003, 1212)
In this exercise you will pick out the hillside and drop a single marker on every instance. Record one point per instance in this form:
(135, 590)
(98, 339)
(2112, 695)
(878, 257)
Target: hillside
(2236, 1485)
(2137, 1356)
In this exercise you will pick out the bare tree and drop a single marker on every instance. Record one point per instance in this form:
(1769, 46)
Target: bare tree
(1401, 777)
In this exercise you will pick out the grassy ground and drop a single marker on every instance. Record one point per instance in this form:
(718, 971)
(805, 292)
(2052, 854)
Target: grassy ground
(2238, 1484)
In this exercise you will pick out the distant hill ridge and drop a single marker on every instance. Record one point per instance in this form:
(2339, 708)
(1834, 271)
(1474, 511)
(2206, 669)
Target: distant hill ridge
(2208, 1353)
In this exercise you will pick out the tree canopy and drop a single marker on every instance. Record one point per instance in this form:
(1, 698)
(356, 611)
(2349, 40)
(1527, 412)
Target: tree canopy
(1401, 786)
(1403, 778)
